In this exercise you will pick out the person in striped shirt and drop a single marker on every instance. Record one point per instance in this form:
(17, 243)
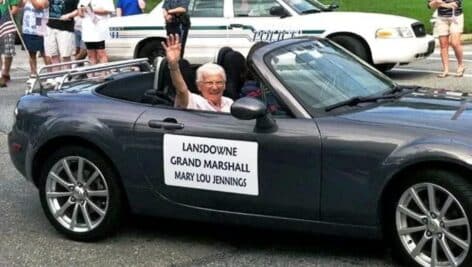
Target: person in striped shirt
(450, 25)
(7, 37)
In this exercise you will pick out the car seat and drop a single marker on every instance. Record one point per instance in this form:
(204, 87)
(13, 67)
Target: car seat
(163, 91)
(234, 65)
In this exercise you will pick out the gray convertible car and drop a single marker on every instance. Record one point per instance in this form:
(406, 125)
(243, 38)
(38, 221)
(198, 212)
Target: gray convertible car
(323, 143)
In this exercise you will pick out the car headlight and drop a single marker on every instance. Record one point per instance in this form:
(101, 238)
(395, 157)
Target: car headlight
(391, 33)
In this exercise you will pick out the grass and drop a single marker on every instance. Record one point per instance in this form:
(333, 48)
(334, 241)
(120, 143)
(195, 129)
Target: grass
(414, 9)
(409, 8)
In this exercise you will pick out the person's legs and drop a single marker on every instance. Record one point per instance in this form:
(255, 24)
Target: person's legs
(47, 60)
(33, 63)
(92, 55)
(458, 51)
(443, 29)
(444, 46)
(102, 56)
(183, 38)
(8, 53)
(457, 28)
(51, 47)
(34, 43)
(66, 42)
(101, 52)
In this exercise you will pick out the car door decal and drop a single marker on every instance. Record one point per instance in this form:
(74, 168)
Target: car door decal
(211, 164)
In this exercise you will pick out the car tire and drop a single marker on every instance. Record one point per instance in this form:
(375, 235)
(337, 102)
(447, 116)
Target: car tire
(354, 45)
(416, 230)
(151, 50)
(83, 207)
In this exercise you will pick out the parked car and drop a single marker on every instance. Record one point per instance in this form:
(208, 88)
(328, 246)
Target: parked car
(343, 150)
(382, 40)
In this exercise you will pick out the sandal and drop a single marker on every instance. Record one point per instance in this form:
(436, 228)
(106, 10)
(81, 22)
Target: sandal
(460, 71)
(6, 77)
(443, 74)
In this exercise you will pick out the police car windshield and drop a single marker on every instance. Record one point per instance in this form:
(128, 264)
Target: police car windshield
(305, 6)
(320, 74)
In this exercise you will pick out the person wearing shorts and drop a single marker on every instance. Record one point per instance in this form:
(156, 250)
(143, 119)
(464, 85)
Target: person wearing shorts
(59, 40)
(33, 28)
(80, 49)
(7, 38)
(449, 26)
(94, 28)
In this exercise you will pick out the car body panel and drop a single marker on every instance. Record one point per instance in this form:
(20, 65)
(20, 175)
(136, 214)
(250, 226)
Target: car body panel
(324, 172)
(276, 171)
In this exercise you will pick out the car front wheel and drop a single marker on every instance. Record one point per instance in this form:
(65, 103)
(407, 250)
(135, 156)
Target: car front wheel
(430, 222)
(79, 194)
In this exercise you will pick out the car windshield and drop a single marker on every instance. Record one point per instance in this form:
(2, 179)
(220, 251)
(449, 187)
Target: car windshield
(320, 74)
(305, 6)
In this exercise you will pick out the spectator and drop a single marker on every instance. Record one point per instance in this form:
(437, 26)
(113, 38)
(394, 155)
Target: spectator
(59, 41)
(177, 20)
(33, 29)
(130, 7)
(7, 37)
(94, 30)
(80, 49)
(449, 26)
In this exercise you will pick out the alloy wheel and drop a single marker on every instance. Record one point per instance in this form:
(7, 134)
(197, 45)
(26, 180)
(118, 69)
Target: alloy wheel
(77, 194)
(432, 225)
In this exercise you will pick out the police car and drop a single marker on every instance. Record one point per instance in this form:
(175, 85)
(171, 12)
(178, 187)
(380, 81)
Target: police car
(383, 40)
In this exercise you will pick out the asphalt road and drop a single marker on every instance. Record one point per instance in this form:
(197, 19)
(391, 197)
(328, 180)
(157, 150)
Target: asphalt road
(27, 239)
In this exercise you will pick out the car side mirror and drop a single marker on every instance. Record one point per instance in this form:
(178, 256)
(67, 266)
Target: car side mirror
(334, 5)
(250, 108)
(278, 11)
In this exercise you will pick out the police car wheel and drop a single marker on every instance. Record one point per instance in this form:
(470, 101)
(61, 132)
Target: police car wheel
(80, 195)
(151, 50)
(354, 45)
(428, 220)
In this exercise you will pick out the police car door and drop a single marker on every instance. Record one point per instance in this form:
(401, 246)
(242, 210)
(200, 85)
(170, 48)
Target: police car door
(252, 21)
(214, 161)
(208, 30)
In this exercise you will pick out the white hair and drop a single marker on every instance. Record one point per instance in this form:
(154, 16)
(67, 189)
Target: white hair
(210, 69)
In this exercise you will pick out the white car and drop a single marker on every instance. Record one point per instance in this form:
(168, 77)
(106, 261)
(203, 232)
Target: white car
(382, 40)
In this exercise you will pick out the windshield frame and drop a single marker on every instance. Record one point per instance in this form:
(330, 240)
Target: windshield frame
(320, 111)
(317, 5)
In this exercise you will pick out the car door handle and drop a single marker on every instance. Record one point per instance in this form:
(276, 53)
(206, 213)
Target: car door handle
(236, 26)
(166, 124)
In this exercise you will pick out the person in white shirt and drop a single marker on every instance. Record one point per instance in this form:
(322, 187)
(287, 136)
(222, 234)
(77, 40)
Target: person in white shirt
(211, 81)
(35, 18)
(94, 28)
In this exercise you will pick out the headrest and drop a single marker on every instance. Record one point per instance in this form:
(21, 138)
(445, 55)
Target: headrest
(164, 81)
(221, 55)
(234, 64)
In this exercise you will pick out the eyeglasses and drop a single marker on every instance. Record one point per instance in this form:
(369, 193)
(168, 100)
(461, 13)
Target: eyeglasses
(210, 83)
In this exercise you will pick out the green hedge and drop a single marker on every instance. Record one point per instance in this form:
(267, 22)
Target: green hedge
(410, 8)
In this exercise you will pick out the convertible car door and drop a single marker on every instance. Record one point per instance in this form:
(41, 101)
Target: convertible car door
(215, 161)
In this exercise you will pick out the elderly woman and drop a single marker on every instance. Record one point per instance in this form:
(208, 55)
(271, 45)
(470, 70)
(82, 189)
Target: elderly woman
(450, 25)
(211, 81)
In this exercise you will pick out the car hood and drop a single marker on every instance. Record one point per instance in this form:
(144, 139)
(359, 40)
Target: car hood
(432, 111)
